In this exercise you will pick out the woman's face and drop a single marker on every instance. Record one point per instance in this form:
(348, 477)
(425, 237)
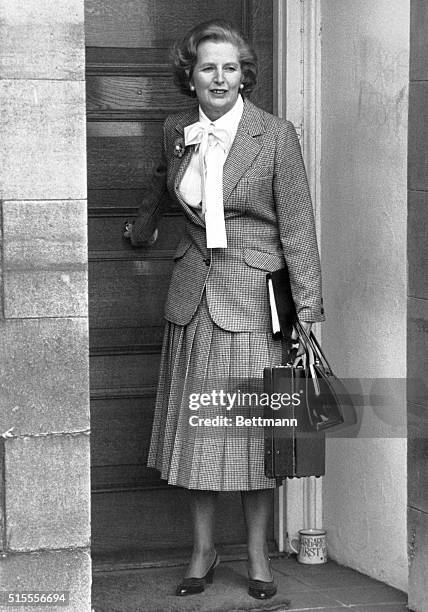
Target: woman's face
(216, 77)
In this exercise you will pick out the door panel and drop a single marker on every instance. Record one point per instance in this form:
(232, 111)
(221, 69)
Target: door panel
(122, 155)
(128, 293)
(152, 23)
(148, 518)
(129, 94)
(133, 93)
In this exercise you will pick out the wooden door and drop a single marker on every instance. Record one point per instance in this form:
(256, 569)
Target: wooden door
(129, 94)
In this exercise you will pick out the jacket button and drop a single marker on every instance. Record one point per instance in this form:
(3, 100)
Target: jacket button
(207, 261)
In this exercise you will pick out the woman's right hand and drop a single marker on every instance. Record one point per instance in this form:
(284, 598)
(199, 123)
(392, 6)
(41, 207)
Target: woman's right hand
(127, 230)
(127, 233)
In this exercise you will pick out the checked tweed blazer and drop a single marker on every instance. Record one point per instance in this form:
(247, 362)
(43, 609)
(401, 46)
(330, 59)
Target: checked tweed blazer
(268, 217)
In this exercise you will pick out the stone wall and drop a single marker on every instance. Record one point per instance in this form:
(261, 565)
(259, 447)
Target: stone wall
(44, 398)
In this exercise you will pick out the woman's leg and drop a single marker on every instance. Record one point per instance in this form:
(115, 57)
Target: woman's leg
(202, 506)
(257, 509)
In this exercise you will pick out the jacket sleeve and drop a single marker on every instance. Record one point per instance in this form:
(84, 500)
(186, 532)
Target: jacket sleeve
(153, 205)
(297, 225)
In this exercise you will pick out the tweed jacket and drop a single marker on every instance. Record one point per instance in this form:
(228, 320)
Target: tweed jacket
(268, 217)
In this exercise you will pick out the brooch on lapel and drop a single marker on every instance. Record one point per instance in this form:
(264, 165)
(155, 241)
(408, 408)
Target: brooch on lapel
(179, 147)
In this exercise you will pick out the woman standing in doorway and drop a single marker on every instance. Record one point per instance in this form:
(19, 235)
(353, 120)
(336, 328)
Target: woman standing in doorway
(237, 172)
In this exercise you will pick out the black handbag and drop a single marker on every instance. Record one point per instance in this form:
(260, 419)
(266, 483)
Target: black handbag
(294, 432)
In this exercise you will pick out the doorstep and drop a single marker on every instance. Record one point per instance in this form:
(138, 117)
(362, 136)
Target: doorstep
(149, 587)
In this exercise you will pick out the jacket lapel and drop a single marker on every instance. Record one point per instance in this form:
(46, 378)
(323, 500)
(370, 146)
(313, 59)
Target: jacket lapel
(242, 153)
(244, 149)
(182, 164)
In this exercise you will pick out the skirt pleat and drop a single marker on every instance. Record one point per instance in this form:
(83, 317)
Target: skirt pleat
(201, 358)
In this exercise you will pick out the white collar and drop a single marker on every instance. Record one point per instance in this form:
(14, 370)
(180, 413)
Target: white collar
(229, 121)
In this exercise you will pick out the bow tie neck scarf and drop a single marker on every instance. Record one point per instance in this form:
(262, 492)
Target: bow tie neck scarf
(213, 144)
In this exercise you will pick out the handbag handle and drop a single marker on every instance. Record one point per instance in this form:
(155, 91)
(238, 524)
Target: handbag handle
(312, 341)
(308, 359)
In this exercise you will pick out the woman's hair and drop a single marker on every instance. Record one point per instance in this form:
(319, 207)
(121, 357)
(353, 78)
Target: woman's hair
(184, 53)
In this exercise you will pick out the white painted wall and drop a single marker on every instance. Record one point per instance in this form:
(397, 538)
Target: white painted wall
(365, 47)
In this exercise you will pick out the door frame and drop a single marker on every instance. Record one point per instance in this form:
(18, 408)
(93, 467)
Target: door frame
(297, 96)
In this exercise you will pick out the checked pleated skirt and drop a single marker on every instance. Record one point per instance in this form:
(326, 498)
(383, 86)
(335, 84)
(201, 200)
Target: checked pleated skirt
(187, 449)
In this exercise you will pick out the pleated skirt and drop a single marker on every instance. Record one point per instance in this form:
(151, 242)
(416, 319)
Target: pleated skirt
(196, 442)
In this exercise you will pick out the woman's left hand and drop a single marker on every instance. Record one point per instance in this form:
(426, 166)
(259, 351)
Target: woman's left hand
(307, 326)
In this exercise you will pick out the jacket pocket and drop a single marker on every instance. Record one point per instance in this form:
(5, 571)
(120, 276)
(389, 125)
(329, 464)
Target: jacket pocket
(182, 248)
(259, 173)
(263, 260)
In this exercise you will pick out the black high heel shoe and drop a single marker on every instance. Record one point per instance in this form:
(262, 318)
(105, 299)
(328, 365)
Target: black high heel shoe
(260, 589)
(192, 586)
